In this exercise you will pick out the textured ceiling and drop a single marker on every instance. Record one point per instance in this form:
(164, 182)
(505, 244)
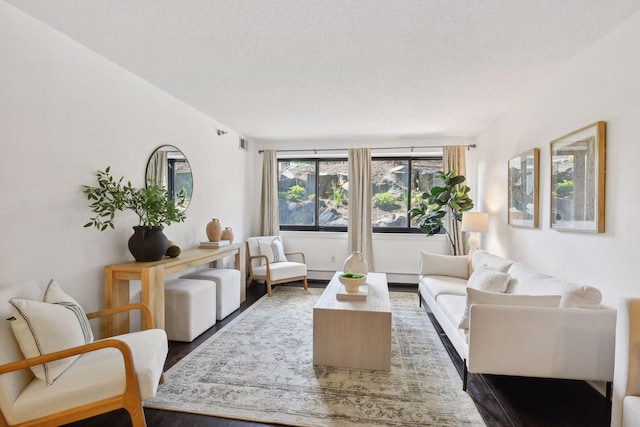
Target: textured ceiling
(334, 69)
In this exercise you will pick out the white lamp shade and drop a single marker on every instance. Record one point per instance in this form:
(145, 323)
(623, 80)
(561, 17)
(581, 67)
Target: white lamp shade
(477, 222)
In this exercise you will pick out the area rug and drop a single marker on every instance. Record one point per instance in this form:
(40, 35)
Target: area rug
(260, 368)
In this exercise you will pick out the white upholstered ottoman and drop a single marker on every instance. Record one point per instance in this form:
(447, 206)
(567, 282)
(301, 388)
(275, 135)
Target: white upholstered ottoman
(227, 289)
(190, 308)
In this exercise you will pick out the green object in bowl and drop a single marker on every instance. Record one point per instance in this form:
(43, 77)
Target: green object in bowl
(352, 275)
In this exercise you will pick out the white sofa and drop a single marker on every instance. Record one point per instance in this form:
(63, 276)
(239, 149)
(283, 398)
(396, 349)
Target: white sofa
(625, 407)
(531, 324)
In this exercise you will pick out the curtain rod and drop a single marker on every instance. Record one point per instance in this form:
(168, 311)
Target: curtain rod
(316, 150)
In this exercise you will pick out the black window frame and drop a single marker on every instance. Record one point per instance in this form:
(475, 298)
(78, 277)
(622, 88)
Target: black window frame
(382, 230)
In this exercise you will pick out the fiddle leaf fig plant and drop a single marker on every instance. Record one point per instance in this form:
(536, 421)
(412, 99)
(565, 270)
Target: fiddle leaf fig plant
(150, 204)
(434, 204)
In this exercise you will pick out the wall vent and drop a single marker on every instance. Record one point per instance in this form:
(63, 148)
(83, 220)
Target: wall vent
(244, 144)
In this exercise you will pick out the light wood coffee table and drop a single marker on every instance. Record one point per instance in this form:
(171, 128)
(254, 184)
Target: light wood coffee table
(353, 334)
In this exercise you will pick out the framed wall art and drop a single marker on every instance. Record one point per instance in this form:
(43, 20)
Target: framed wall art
(577, 180)
(523, 189)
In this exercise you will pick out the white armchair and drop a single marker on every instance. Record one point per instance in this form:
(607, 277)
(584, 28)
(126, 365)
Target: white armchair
(625, 407)
(269, 262)
(108, 374)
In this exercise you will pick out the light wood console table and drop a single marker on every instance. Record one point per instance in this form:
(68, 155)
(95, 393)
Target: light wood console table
(151, 276)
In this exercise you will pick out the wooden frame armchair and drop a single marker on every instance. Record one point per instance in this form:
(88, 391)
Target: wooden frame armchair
(109, 374)
(273, 273)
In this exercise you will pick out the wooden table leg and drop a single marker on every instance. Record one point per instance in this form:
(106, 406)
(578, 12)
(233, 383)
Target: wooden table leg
(152, 293)
(116, 294)
(240, 265)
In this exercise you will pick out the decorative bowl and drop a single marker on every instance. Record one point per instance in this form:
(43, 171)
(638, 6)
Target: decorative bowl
(352, 281)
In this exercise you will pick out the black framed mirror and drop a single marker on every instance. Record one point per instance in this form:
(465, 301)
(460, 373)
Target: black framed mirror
(169, 168)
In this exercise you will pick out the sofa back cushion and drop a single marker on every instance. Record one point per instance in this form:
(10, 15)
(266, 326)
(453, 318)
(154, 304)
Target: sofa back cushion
(476, 296)
(12, 384)
(526, 280)
(494, 262)
(444, 265)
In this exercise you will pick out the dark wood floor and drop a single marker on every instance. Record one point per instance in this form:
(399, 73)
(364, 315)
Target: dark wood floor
(503, 401)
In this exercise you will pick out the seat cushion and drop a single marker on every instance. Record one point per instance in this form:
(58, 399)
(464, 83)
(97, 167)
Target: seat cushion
(631, 411)
(149, 349)
(452, 306)
(437, 285)
(282, 270)
(95, 376)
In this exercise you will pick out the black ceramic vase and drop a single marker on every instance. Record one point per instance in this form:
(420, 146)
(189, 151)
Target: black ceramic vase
(148, 243)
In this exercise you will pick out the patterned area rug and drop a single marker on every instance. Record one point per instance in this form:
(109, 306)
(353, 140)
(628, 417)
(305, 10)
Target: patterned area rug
(260, 368)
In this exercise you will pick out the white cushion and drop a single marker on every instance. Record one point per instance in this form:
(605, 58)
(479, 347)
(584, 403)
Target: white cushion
(95, 376)
(486, 279)
(526, 280)
(476, 296)
(436, 285)
(282, 270)
(55, 295)
(42, 328)
(494, 262)
(149, 350)
(444, 265)
(272, 249)
(631, 411)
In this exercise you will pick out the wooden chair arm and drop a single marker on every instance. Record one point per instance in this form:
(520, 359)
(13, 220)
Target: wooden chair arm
(75, 351)
(252, 257)
(297, 253)
(145, 313)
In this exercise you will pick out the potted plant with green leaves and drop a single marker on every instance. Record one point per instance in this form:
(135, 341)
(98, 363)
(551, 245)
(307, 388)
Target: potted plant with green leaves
(151, 204)
(434, 204)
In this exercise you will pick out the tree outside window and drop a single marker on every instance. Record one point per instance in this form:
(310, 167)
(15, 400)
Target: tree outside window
(307, 203)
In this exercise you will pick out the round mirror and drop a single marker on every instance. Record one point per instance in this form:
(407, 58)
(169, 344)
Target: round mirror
(169, 168)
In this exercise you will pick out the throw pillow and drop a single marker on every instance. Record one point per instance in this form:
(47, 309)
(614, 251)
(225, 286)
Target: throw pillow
(56, 323)
(42, 328)
(272, 249)
(486, 279)
(476, 296)
(444, 265)
(55, 295)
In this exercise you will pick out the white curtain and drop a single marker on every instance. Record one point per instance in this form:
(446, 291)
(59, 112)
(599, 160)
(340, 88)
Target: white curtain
(359, 230)
(454, 158)
(157, 169)
(269, 215)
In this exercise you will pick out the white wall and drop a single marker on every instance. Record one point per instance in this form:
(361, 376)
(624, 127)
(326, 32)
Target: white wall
(395, 254)
(600, 84)
(66, 112)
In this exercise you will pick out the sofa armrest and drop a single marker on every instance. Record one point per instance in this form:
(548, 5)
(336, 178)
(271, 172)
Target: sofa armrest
(145, 313)
(567, 343)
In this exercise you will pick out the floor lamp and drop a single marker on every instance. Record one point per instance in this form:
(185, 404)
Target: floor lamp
(474, 222)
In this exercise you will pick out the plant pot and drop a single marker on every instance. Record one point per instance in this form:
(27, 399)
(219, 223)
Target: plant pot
(148, 243)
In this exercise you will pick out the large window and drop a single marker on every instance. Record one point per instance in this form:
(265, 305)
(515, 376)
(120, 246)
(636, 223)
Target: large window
(314, 193)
